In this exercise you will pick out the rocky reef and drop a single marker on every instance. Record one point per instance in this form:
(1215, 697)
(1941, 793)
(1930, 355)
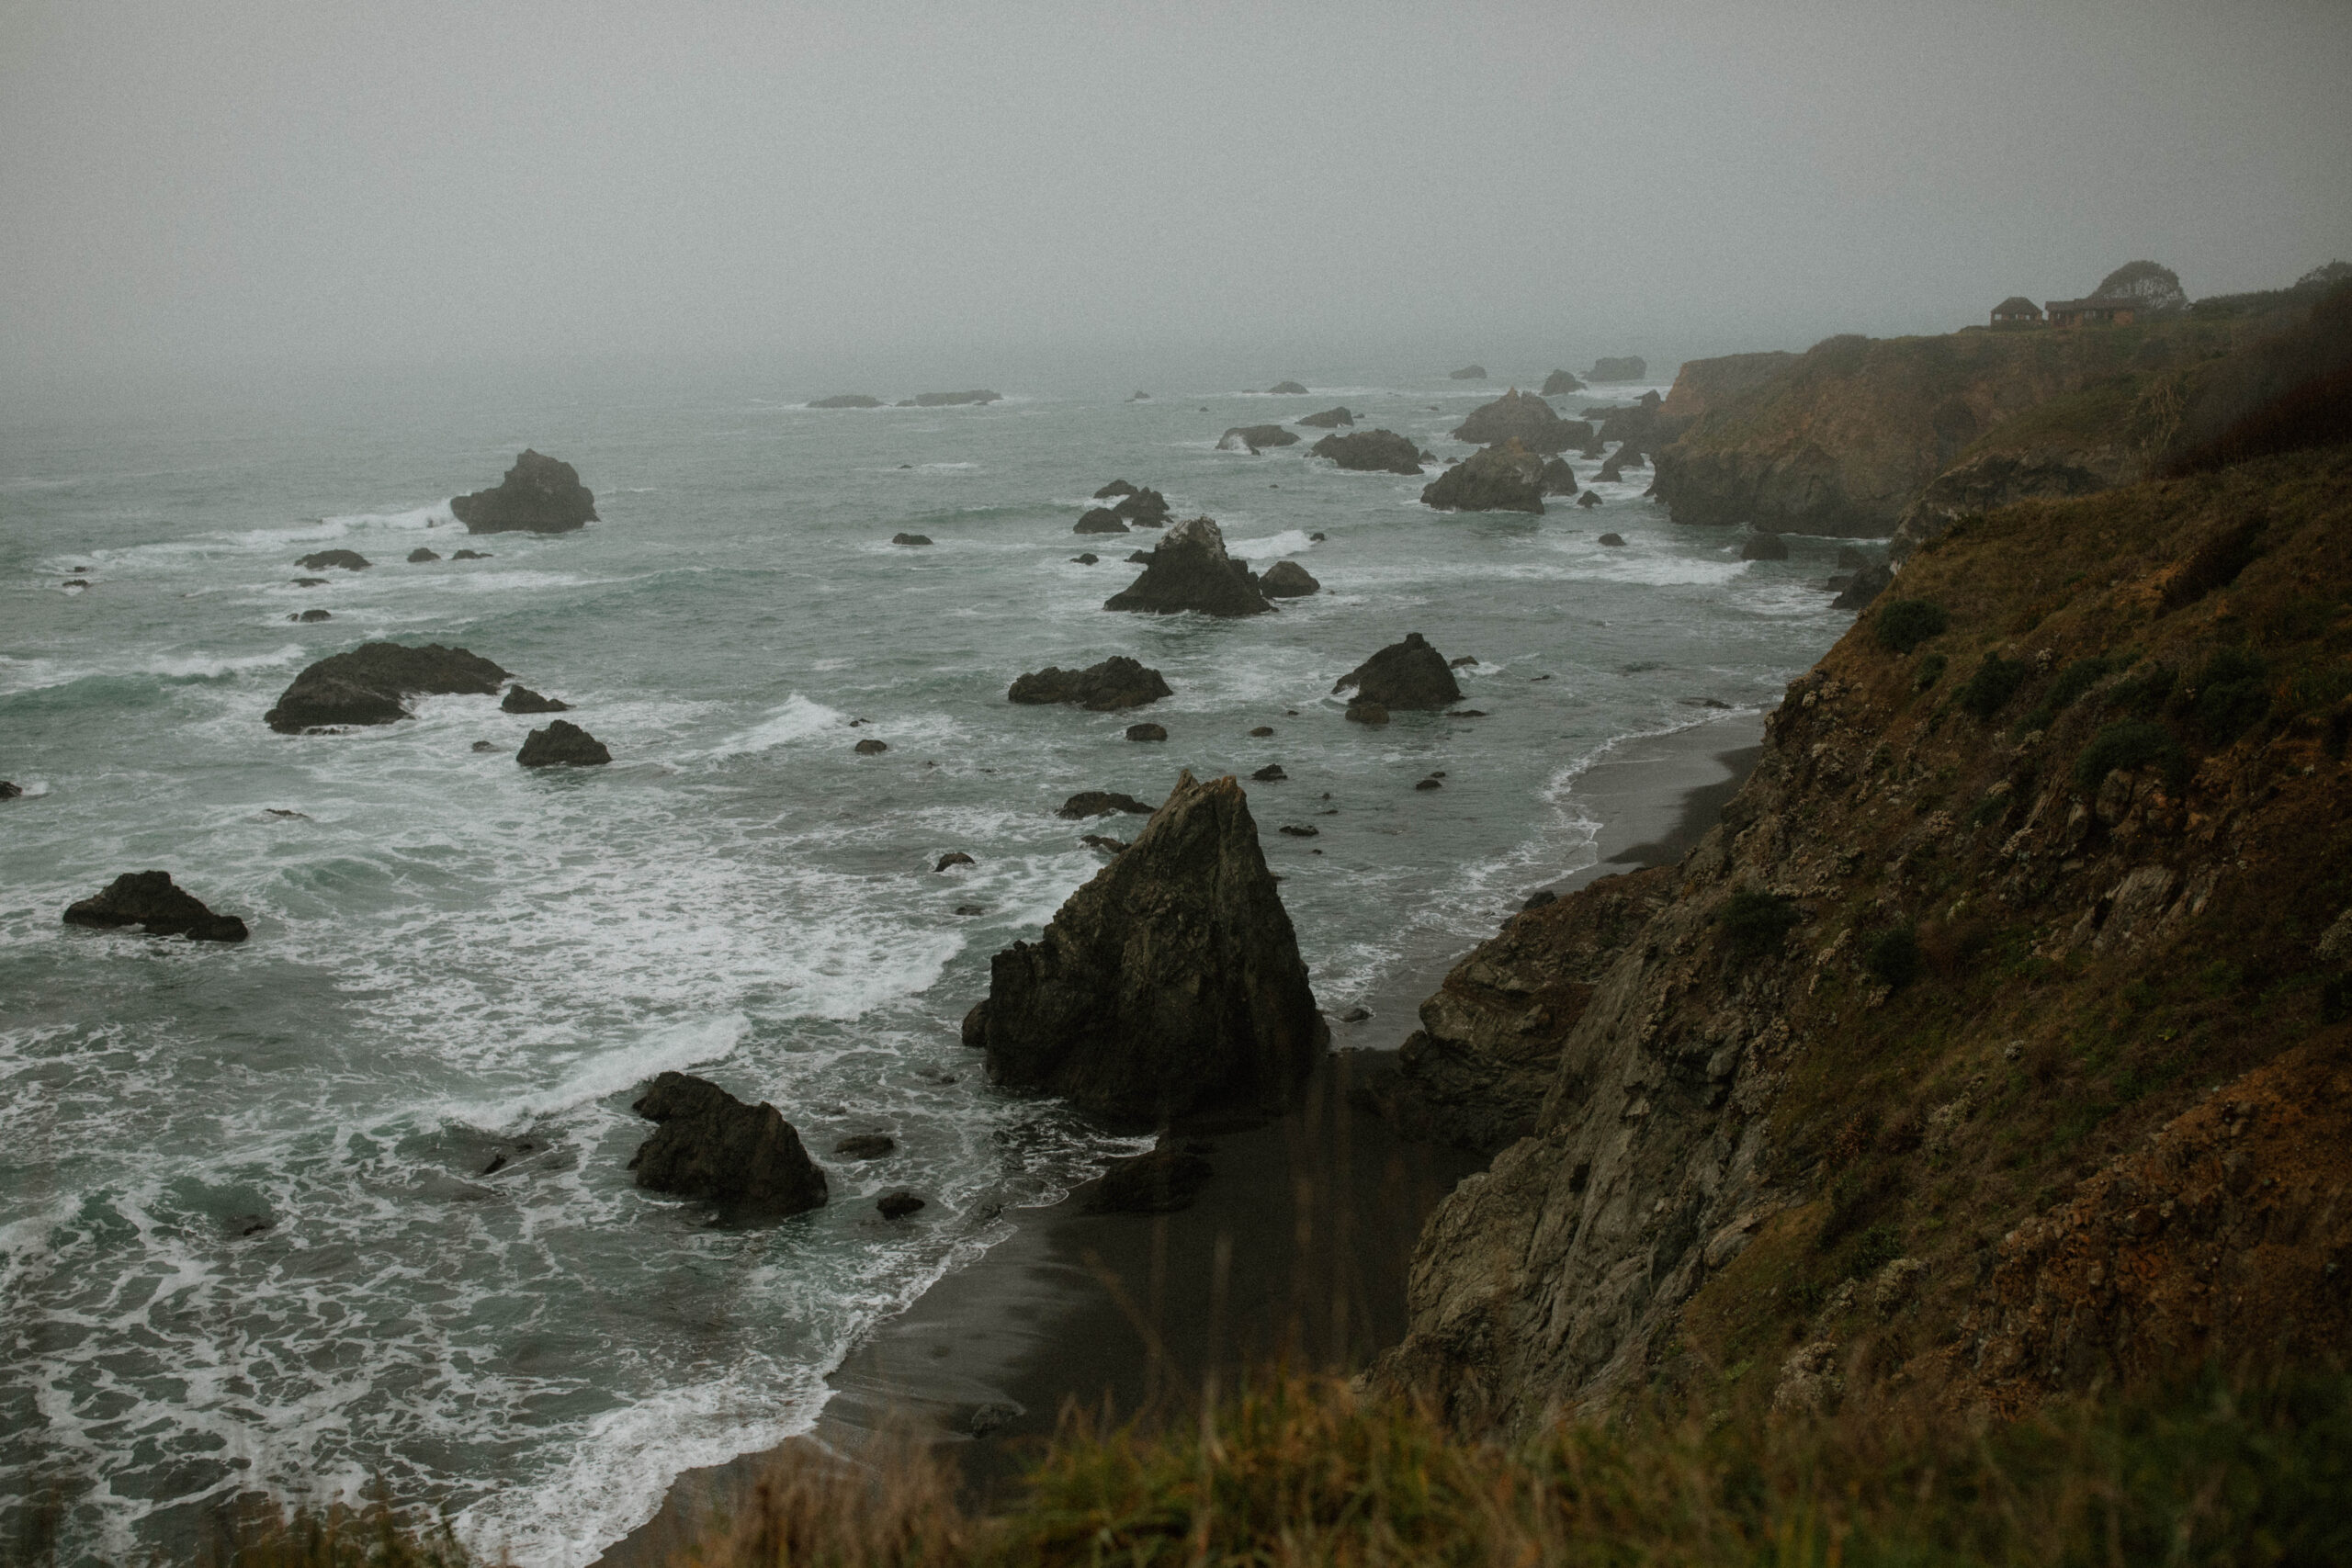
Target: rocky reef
(1170, 983)
(151, 901)
(371, 684)
(951, 400)
(1118, 683)
(1371, 451)
(540, 495)
(848, 400)
(713, 1146)
(1500, 479)
(1190, 570)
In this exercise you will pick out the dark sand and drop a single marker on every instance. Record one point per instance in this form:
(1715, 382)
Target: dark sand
(1297, 1249)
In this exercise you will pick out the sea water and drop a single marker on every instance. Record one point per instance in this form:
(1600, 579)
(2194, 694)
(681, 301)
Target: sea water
(252, 1239)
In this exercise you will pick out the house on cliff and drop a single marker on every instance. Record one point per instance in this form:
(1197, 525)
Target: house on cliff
(2093, 312)
(2017, 310)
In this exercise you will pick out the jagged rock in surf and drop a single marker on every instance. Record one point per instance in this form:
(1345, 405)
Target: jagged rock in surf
(540, 495)
(345, 560)
(149, 900)
(522, 699)
(1190, 570)
(1371, 452)
(1255, 436)
(369, 685)
(1170, 984)
(306, 616)
(1501, 479)
(1408, 674)
(1329, 419)
(563, 744)
(1287, 580)
(1524, 418)
(1118, 681)
(712, 1147)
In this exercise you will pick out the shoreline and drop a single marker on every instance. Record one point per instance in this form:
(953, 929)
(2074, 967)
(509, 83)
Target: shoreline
(1298, 1247)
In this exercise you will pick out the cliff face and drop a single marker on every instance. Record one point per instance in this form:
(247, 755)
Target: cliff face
(1841, 439)
(1995, 1040)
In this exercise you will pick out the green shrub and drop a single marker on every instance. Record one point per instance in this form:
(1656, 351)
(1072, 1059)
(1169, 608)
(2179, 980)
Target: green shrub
(2146, 693)
(1905, 624)
(1876, 1248)
(2065, 691)
(2130, 743)
(1754, 923)
(1995, 682)
(1931, 669)
(2233, 693)
(1892, 956)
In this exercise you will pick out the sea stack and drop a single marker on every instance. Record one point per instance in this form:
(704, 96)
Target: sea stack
(713, 1146)
(1190, 570)
(1408, 674)
(1501, 479)
(1170, 983)
(540, 495)
(1526, 419)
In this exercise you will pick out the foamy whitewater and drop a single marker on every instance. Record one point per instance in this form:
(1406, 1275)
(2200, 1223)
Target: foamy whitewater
(250, 1236)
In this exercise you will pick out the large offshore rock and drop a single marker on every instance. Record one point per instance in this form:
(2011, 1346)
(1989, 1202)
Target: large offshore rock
(346, 561)
(149, 900)
(1144, 507)
(1627, 368)
(1560, 383)
(1408, 674)
(1526, 419)
(1118, 683)
(1170, 984)
(563, 744)
(1287, 580)
(1190, 570)
(370, 683)
(1371, 451)
(1500, 479)
(713, 1146)
(1329, 419)
(540, 495)
(1255, 436)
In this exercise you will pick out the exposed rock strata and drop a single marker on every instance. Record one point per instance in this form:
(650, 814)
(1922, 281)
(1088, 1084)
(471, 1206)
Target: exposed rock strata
(371, 684)
(1170, 984)
(713, 1146)
(540, 495)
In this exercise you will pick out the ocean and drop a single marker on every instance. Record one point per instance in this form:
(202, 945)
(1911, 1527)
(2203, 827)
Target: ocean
(251, 1239)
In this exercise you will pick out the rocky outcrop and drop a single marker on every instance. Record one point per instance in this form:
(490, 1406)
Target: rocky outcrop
(1100, 520)
(1256, 437)
(847, 401)
(2002, 477)
(1526, 419)
(371, 684)
(309, 616)
(520, 698)
(1286, 389)
(1287, 580)
(1190, 570)
(150, 900)
(420, 555)
(1118, 681)
(714, 1147)
(1559, 384)
(540, 495)
(1761, 546)
(1558, 477)
(951, 400)
(1371, 451)
(1703, 386)
(910, 538)
(1101, 802)
(1468, 373)
(345, 560)
(1114, 489)
(1627, 368)
(1170, 983)
(1329, 419)
(563, 744)
(1500, 479)
(1408, 674)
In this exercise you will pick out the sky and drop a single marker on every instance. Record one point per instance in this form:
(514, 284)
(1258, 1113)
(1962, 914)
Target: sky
(979, 189)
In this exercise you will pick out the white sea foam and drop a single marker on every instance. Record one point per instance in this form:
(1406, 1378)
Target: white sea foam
(674, 1049)
(797, 719)
(1289, 542)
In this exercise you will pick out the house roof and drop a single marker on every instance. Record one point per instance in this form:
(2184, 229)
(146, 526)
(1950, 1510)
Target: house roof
(2016, 302)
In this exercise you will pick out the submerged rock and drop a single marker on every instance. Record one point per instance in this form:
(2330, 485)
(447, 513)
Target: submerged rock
(469, 554)
(1329, 419)
(847, 401)
(346, 561)
(563, 744)
(1408, 674)
(866, 1146)
(713, 1146)
(1169, 984)
(1101, 802)
(1147, 732)
(896, 1204)
(369, 684)
(1371, 452)
(1287, 580)
(540, 495)
(1500, 479)
(1118, 683)
(522, 699)
(1526, 419)
(149, 899)
(1190, 570)
(1254, 437)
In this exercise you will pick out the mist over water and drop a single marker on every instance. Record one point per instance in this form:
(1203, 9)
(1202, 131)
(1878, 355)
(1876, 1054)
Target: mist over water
(249, 1234)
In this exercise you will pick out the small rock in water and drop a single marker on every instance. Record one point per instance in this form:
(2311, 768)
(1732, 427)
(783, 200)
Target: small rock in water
(1430, 783)
(1262, 732)
(348, 560)
(1287, 580)
(1089, 559)
(1589, 499)
(971, 909)
(954, 857)
(1540, 897)
(148, 900)
(469, 554)
(420, 555)
(1362, 712)
(539, 495)
(898, 1206)
(1294, 830)
(1355, 1015)
(1147, 732)
(563, 744)
(309, 583)
(869, 747)
(1466, 713)
(1464, 662)
(522, 699)
(714, 1146)
(1270, 773)
(910, 538)
(1613, 540)
(1107, 844)
(74, 582)
(485, 745)
(1314, 538)
(866, 1146)
(9, 791)
(1100, 520)
(310, 616)
(1102, 802)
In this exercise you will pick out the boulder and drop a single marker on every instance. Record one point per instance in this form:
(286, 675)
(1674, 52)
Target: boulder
(713, 1146)
(368, 685)
(1089, 559)
(420, 555)
(1147, 732)
(847, 401)
(1500, 479)
(1118, 683)
(347, 561)
(1371, 452)
(10, 791)
(1629, 367)
(1362, 712)
(1100, 520)
(1558, 477)
(563, 744)
(1329, 419)
(1762, 546)
(522, 699)
(1190, 570)
(1254, 437)
(309, 615)
(149, 900)
(540, 495)
(954, 857)
(1287, 580)
(469, 554)
(1287, 389)
(866, 1146)
(1101, 802)
(1145, 508)
(1559, 384)
(1864, 586)
(1170, 984)
(1524, 418)
(1114, 489)
(1270, 773)
(896, 1204)
(1408, 674)
(952, 400)
(1589, 499)
(1468, 373)
(1262, 730)
(871, 747)
(910, 538)
(1160, 1183)
(1613, 540)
